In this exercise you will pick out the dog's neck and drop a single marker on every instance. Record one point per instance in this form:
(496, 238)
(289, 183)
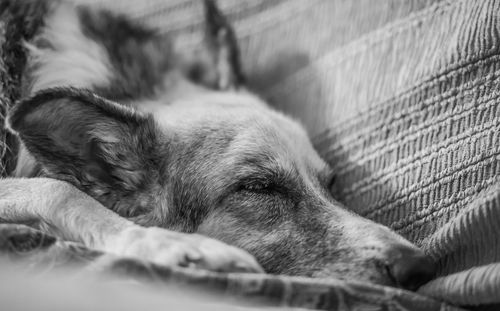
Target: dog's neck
(198, 96)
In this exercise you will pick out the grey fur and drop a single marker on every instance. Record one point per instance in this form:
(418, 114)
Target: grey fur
(239, 177)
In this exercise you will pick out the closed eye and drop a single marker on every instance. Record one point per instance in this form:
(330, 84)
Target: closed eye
(268, 181)
(255, 185)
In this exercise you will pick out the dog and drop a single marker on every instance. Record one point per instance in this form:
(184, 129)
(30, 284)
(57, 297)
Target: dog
(139, 149)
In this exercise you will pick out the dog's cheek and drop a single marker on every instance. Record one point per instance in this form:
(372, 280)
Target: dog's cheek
(272, 245)
(224, 227)
(260, 210)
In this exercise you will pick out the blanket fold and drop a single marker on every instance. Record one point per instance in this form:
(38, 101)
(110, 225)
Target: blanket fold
(37, 252)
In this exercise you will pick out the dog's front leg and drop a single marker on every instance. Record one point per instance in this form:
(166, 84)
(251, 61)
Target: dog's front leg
(59, 208)
(71, 214)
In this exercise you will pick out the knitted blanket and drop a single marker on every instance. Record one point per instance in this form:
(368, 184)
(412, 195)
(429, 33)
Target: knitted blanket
(401, 98)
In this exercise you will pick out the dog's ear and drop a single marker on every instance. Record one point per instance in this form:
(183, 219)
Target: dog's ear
(82, 138)
(217, 63)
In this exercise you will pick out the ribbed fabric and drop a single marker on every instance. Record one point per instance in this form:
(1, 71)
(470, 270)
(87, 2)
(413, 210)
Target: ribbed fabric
(469, 244)
(472, 238)
(475, 286)
(400, 97)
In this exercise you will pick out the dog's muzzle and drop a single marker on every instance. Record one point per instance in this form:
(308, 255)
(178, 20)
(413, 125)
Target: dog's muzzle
(410, 267)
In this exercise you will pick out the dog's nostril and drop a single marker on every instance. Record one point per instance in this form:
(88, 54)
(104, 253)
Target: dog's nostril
(411, 268)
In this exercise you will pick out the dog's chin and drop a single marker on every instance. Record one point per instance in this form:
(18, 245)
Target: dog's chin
(350, 273)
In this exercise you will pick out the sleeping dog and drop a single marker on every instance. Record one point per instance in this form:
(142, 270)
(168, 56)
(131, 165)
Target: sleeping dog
(133, 147)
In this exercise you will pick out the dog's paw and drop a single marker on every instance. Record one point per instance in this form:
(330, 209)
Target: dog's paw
(172, 248)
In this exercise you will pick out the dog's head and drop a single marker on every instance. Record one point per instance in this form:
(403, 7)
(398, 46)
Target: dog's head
(232, 169)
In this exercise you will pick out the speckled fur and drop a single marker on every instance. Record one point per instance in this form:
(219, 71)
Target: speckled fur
(187, 148)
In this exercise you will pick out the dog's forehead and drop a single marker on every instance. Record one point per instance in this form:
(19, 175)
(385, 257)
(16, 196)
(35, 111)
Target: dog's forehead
(249, 128)
(277, 140)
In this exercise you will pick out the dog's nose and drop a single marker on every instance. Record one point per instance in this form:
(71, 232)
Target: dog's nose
(410, 267)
